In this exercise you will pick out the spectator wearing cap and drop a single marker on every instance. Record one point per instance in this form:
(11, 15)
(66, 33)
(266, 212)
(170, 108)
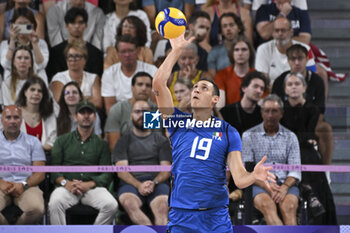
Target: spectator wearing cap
(82, 147)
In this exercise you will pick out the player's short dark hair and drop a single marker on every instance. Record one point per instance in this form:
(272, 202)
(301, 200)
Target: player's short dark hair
(198, 14)
(235, 18)
(140, 74)
(216, 88)
(73, 13)
(253, 75)
(296, 48)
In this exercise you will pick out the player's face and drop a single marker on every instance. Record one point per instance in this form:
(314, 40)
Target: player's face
(77, 28)
(254, 90)
(181, 91)
(297, 62)
(203, 95)
(229, 28)
(294, 87)
(142, 88)
(282, 32)
(271, 114)
(188, 59)
(127, 53)
(137, 113)
(241, 53)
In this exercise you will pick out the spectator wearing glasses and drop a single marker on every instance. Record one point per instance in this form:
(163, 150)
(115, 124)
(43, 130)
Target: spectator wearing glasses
(76, 56)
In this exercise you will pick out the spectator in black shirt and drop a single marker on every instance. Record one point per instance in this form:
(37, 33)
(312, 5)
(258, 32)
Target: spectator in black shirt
(245, 114)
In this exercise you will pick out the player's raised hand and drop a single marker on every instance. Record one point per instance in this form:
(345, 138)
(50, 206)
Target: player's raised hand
(262, 173)
(180, 42)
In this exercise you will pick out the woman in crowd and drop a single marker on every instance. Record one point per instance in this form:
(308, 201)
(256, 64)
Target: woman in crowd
(5, 19)
(135, 27)
(215, 8)
(76, 56)
(71, 95)
(182, 91)
(37, 112)
(123, 8)
(300, 116)
(38, 47)
(22, 64)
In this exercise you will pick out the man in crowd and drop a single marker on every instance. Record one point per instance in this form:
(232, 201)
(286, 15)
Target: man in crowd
(271, 56)
(116, 80)
(76, 22)
(143, 147)
(118, 120)
(56, 26)
(82, 147)
(282, 146)
(21, 188)
(229, 80)
(246, 113)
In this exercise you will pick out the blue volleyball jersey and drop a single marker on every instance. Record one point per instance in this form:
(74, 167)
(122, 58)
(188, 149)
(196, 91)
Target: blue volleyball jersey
(199, 161)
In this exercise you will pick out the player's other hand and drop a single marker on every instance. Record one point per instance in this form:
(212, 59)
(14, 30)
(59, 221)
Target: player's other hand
(262, 173)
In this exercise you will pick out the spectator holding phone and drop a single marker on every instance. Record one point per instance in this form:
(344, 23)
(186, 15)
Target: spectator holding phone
(5, 19)
(23, 33)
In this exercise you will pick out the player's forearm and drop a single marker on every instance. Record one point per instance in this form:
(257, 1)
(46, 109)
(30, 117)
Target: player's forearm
(245, 179)
(164, 71)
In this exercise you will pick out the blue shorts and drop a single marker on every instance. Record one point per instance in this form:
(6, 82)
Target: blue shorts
(216, 220)
(292, 190)
(160, 189)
